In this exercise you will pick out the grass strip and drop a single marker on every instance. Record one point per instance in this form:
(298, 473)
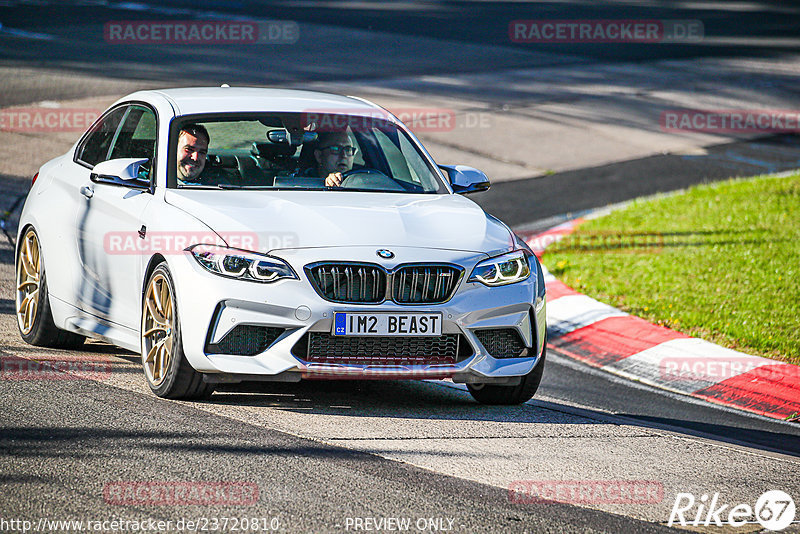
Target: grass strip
(719, 261)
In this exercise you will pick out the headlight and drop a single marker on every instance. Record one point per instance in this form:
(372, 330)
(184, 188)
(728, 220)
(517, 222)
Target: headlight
(241, 264)
(506, 269)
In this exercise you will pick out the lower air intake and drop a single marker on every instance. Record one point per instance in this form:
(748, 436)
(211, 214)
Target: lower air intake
(246, 340)
(502, 342)
(321, 347)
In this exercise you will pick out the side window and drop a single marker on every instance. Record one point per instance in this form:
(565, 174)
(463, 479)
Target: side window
(395, 157)
(95, 147)
(416, 165)
(137, 138)
(405, 161)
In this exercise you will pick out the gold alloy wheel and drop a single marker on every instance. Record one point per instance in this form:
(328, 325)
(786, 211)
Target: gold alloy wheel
(158, 326)
(29, 268)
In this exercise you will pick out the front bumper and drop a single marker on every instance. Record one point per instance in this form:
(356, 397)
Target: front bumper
(211, 306)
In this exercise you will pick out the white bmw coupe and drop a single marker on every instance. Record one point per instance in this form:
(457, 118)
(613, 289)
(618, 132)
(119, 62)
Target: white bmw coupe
(240, 234)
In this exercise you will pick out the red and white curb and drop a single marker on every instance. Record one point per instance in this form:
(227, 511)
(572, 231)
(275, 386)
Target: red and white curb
(605, 337)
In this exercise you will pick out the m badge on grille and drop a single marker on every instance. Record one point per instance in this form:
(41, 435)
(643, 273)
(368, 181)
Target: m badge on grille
(384, 253)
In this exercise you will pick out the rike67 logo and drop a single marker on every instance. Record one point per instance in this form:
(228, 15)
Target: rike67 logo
(774, 510)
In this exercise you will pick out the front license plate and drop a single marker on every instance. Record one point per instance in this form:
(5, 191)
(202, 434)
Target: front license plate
(387, 324)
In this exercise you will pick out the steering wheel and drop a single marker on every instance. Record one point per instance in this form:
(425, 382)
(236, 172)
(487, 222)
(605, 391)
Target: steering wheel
(368, 178)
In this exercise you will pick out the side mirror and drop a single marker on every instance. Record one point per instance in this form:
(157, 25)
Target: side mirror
(466, 179)
(122, 171)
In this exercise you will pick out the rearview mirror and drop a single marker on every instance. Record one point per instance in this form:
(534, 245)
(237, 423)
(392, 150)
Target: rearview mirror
(466, 179)
(283, 136)
(122, 171)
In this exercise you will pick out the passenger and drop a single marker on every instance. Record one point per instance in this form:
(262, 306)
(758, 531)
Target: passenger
(334, 155)
(193, 142)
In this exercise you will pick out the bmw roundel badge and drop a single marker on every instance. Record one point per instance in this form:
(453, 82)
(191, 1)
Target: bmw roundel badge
(384, 253)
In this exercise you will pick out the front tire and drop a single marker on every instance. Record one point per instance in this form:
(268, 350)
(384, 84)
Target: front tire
(507, 395)
(34, 316)
(168, 372)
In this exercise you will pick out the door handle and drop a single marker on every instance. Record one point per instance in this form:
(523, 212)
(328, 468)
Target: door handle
(87, 191)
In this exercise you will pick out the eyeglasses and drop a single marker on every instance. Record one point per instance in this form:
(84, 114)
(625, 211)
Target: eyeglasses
(339, 149)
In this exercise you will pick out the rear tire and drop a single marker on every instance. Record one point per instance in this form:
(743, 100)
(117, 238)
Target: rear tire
(507, 395)
(166, 369)
(34, 316)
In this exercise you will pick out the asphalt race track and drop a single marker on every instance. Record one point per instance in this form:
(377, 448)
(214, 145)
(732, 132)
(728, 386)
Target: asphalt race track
(342, 456)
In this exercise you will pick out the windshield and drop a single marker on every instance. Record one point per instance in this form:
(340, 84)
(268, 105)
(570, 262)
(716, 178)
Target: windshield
(300, 151)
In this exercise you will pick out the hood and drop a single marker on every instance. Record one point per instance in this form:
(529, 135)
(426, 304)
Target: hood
(303, 219)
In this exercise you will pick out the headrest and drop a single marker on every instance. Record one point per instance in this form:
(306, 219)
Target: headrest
(272, 150)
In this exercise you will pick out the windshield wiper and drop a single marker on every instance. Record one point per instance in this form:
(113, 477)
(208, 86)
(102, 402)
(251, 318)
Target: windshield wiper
(235, 186)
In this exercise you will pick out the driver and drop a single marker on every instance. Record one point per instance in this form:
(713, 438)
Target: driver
(193, 141)
(334, 155)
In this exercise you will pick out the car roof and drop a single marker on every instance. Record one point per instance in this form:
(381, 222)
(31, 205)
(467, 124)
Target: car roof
(197, 100)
